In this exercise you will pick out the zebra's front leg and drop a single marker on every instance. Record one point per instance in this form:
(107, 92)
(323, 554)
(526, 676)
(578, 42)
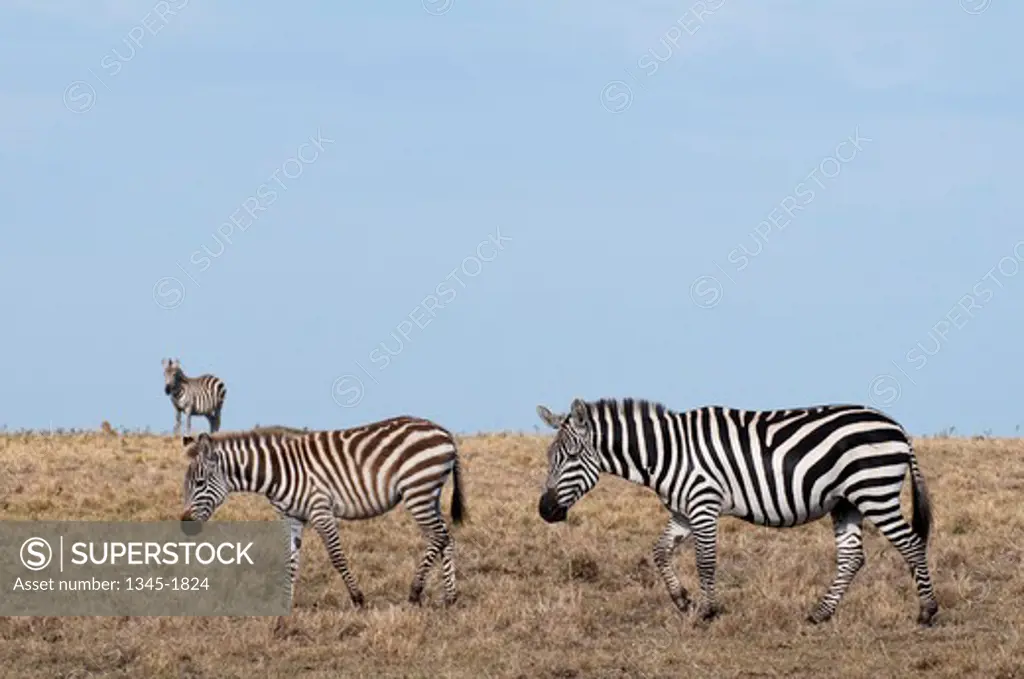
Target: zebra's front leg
(705, 535)
(295, 526)
(326, 525)
(846, 522)
(188, 422)
(676, 532)
(177, 422)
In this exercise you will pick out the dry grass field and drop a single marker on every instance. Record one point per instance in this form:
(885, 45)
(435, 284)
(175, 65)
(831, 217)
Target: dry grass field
(578, 599)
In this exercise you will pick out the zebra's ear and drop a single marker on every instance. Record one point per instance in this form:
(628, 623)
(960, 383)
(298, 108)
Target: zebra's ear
(206, 451)
(578, 411)
(549, 418)
(200, 446)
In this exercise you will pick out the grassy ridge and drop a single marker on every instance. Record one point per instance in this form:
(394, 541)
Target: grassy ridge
(575, 600)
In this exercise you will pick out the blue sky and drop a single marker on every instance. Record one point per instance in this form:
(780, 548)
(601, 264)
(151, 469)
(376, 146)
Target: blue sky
(753, 204)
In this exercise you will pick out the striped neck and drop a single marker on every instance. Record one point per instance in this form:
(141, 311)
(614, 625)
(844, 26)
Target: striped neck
(179, 386)
(630, 437)
(254, 463)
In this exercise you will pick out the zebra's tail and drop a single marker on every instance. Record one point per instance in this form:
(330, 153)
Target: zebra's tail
(458, 503)
(922, 520)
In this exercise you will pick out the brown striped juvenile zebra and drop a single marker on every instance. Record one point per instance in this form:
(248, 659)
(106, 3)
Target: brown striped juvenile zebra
(203, 395)
(319, 477)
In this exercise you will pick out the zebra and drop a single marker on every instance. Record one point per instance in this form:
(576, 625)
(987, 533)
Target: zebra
(318, 477)
(777, 468)
(203, 395)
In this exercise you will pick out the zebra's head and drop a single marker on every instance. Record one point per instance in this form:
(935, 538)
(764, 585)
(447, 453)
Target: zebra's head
(206, 486)
(573, 465)
(172, 374)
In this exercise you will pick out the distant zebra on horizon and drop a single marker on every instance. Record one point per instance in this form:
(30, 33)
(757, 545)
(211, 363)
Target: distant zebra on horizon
(776, 468)
(319, 477)
(202, 395)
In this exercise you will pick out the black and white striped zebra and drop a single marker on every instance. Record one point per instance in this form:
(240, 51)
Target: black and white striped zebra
(774, 468)
(318, 477)
(202, 395)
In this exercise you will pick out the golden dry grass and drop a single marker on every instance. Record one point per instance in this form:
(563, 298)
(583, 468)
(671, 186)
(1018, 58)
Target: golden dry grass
(574, 600)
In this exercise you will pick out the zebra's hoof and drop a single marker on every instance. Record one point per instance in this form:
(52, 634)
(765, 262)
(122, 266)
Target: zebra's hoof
(358, 600)
(707, 612)
(450, 601)
(818, 617)
(416, 593)
(683, 603)
(926, 617)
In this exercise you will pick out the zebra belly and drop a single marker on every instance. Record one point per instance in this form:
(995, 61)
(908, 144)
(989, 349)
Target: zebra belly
(363, 509)
(759, 518)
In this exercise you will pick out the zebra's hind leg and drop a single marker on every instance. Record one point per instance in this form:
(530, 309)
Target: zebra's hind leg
(214, 420)
(676, 532)
(426, 509)
(890, 522)
(451, 593)
(705, 535)
(326, 525)
(846, 524)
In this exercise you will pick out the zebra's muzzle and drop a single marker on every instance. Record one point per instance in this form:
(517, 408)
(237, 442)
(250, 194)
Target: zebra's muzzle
(167, 388)
(189, 526)
(549, 509)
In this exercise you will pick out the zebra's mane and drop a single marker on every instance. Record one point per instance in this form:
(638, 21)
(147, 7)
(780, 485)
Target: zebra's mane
(620, 404)
(279, 429)
(257, 433)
